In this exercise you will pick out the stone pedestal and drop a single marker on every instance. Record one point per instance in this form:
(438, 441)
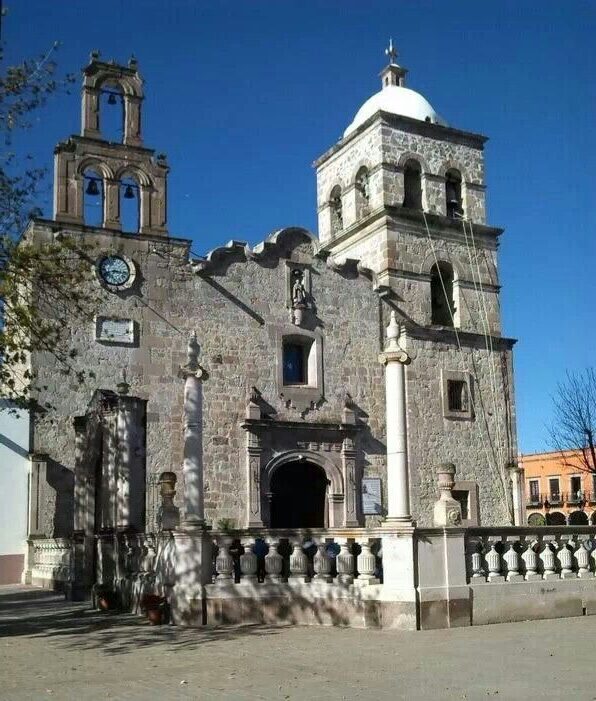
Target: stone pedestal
(193, 570)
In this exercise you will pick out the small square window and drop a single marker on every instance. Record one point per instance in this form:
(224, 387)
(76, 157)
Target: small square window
(457, 395)
(294, 364)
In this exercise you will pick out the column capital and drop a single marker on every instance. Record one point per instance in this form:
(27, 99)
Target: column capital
(394, 356)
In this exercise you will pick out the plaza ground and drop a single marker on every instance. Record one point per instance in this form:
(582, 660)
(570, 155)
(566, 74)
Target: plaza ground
(52, 649)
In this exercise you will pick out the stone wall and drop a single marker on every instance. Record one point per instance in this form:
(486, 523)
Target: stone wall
(237, 306)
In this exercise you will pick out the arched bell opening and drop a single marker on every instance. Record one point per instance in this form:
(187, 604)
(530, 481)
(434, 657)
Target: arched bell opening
(299, 496)
(130, 205)
(93, 198)
(111, 112)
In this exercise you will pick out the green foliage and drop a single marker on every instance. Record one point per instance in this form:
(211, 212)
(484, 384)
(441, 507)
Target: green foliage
(44, 285)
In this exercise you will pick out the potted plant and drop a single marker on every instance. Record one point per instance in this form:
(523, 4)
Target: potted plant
(105, 598)
(155, 607)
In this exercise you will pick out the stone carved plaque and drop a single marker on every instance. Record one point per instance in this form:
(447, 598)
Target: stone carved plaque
(371, 496)
(113, 330)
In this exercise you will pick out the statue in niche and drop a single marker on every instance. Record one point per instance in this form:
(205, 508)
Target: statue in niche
(299, 301)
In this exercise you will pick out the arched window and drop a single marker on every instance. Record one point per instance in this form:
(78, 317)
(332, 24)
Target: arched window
(111, 112)
(578, 518)
(453, 194)
(412, 185)
(337, 217)
(93, 196)
(441, 293)
(555, 518)
(130, 204)
(362, 193)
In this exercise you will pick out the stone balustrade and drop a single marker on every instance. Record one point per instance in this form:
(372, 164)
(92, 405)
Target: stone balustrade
(501, 555)
(280, 556)
(51, 561)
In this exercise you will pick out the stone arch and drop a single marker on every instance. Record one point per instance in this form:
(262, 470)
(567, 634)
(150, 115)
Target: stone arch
(578, 518)
(440, 254)
(414, 156)
(95, 164)
(134, 172)
(454, 165)
(335, 496)
(332, 471)
(593, 518)
(358, 166)
(131, 85)
(536, 519)
(556, 518)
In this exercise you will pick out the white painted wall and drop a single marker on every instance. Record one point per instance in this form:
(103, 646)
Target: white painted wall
(14, 466)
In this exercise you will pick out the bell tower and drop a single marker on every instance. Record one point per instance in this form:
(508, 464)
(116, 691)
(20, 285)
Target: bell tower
(108, 169)
(403, 192)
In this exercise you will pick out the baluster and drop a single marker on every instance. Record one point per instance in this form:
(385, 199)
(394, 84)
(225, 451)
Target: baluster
(322, 564)
(548, 562)
(582, 555)
(274, 563)
(511, 558)
(224, 564)
(248, 562)
(493, 563)
(566, 559)
(478, 574)
(345, 564)
(530, 559)
(366, 563)
(298, 563)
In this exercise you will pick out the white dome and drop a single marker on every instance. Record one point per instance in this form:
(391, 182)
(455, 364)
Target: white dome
(396, 100)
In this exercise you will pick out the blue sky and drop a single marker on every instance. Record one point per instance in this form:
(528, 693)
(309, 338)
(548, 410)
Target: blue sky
(243, 96)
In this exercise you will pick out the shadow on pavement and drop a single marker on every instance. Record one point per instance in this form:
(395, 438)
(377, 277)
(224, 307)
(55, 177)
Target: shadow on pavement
(37, 613)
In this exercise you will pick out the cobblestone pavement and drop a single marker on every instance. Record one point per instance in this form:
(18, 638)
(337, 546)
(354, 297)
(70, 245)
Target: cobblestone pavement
(51, 649)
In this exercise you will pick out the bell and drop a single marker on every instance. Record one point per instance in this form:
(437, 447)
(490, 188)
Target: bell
(129, 193)
(92, 188)
(112, 99)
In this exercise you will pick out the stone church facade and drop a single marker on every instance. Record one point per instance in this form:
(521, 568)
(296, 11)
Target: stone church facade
(288, 338)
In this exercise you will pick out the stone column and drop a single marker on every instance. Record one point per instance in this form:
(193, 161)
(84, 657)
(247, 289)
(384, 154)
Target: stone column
(193, 569)
(192, 467)
(398, 491)
(254, 517)
(348, 458)
(515, 474)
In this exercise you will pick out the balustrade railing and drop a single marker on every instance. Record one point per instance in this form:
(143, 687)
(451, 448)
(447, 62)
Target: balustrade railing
(280, 556)
(51, 559)
(530, 554)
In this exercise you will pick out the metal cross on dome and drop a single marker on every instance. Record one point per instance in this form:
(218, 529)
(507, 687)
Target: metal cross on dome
(391, 51)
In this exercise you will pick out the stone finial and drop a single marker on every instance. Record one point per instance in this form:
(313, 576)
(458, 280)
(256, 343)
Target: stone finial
(192, 367)
(192, 351)
(393, 351)
(123, 387)
(349, 413)
(253, 408)
(132, 62)
(447, 511)
(393, 332)
(94, 55)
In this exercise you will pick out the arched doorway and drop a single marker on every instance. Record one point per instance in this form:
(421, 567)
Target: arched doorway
(556, 518)
(578, 518)
(299, 496)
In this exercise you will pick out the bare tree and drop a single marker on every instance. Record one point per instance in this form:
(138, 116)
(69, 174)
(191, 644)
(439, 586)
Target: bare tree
(43, 290)
(574, 424)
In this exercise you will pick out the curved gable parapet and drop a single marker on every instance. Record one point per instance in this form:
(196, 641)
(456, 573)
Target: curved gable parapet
(279, 244)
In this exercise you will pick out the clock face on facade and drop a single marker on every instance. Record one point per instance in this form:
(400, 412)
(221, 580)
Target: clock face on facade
(115, 271)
